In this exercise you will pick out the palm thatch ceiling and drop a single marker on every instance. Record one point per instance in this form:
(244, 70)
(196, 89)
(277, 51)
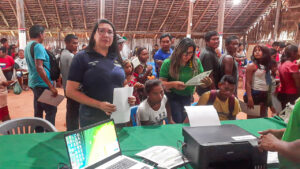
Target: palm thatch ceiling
(133, 18)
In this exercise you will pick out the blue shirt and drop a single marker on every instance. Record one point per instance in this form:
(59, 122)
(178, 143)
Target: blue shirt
(39, 53)
(161, 55)
(98, 76)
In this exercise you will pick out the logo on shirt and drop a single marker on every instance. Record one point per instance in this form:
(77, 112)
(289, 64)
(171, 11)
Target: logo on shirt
(94, 63)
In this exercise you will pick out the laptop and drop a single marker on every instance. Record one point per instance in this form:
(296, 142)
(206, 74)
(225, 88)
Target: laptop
(97, 147)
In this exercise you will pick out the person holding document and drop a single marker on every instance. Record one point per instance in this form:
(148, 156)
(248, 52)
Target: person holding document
(175, 72)
(94, 74)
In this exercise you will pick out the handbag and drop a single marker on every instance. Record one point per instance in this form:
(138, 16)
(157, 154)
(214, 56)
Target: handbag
(17, 88)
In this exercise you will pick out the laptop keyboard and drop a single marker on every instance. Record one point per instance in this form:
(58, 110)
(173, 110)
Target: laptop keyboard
(122, 164)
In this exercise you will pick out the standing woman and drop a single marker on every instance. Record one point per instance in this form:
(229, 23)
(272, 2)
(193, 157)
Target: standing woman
(289, 89)
(94, 74)
(175, 71)
(258, 79)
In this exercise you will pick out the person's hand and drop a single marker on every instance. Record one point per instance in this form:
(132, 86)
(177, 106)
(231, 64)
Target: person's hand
(138, 85)
(276, 133)
(107, 107)
(250, 103)
(269, 143)
(54, 91)
(206, 82)
(171, 121)
(179, 85)
(149, 68)
(131, 100)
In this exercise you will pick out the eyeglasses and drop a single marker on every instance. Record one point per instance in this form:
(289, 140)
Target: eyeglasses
(103, 31)
(188, 53)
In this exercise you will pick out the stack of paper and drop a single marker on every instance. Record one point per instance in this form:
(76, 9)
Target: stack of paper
(120, 100)
(202, 116)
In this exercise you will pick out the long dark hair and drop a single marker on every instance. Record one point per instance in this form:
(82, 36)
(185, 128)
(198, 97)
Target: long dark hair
(289, 52)
(113, 49)
(175, 58)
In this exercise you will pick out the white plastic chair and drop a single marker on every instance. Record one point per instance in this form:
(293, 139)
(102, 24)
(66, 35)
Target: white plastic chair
(26, 125)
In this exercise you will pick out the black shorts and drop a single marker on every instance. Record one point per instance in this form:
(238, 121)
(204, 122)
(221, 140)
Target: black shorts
(258, 97)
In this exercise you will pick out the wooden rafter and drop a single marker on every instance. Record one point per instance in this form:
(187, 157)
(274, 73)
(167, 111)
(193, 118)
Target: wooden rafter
(139, 17)
(203, 14)
(155, 5)
(240, 13)
(113, 11)
(43, 13)
(187, 17)
(253, 11)
(57, 14)
(26, 10)
(167, 16)
(13, 8)
(171, 25)
(212, 18)
(68, 10)
(83, 14)
(127, 17)
(4, 18)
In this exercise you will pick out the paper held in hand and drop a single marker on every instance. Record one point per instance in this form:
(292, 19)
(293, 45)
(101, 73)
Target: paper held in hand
(120, 100)
(47, 98)
(195, 81)
(202, 116)
(253, 112)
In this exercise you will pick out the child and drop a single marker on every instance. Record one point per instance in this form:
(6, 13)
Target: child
(130, 80)
(145, 71)
(223, 100)
(4, 114)
(152, 111)
(272, 98)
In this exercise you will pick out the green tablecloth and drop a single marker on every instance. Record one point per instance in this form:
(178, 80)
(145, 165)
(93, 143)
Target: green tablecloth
(33, 151)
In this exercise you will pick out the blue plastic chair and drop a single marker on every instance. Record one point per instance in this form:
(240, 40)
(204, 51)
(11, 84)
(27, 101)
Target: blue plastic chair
(133, 111)
(194, 104)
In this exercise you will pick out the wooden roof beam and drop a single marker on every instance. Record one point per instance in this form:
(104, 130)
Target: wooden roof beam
(13, 8)
(128, 13)
(182, 4)
(162, 24)
(155, 5)
(43, 13)
(69, 16)
(83, 14)
(113, 11)
(57, 14)
(203, 14)
(253, 11)
(212, 18)
(26, 10)
(187, 17)
(139, 17)
(240, 13)
(4, 18)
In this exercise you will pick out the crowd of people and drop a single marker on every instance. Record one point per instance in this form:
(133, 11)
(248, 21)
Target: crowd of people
(90, 75)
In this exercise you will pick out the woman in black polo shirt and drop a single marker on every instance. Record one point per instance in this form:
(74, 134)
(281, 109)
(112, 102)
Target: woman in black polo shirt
(94, 73)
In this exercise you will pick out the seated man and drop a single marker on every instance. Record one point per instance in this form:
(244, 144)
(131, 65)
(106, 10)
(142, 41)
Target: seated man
(285, 141)
(223, 99)
(152, 111)
(22, 70)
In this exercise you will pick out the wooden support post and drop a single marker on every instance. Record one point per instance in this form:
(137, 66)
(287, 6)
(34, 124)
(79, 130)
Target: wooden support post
(102, 7)
(190, 19)
(221, 21)
(277, 19)
(21, 23)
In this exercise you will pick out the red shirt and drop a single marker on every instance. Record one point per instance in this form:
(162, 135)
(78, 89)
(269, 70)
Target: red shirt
(287, 83)
(6, 62)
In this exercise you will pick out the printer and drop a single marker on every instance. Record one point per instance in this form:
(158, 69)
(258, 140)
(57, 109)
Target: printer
(222, 147)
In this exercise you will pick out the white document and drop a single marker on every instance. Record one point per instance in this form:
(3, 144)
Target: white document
(195, 81)
(245, 137)
(253, 112)
(120, 100)
(202, 116)
(47, 98)
(164, 156)
(272, 158)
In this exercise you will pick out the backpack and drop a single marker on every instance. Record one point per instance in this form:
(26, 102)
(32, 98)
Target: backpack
(231, 102)
(54, 64)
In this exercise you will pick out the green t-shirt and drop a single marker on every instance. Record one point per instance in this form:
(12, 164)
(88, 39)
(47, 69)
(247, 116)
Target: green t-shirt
(185, 74)
(291, 133)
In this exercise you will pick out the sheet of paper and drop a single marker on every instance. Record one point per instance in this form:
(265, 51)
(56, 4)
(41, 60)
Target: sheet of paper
(253, 112)
(164, 156)
(47, 98)
(202, 116)
(120, 100)
(272, 158)
(195, 81)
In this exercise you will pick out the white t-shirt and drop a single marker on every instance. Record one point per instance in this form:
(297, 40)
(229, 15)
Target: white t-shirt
(22, 63)
(146, 113)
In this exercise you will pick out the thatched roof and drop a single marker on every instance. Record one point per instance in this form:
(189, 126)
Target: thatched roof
(138, 18)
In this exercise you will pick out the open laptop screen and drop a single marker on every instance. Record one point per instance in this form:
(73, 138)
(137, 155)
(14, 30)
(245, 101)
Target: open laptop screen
(92, 145)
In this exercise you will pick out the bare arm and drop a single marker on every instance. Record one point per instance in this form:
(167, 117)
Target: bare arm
(39, 65)
(249, 74)
(72, 91)
(228, 65)
(174, 84)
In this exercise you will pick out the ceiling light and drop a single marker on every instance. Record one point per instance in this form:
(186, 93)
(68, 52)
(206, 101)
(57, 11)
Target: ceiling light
(236, 2)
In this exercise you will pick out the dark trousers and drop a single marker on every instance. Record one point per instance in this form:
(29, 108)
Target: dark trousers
(286, 98)
(39, 107)
(177, 103)
(72, 115)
